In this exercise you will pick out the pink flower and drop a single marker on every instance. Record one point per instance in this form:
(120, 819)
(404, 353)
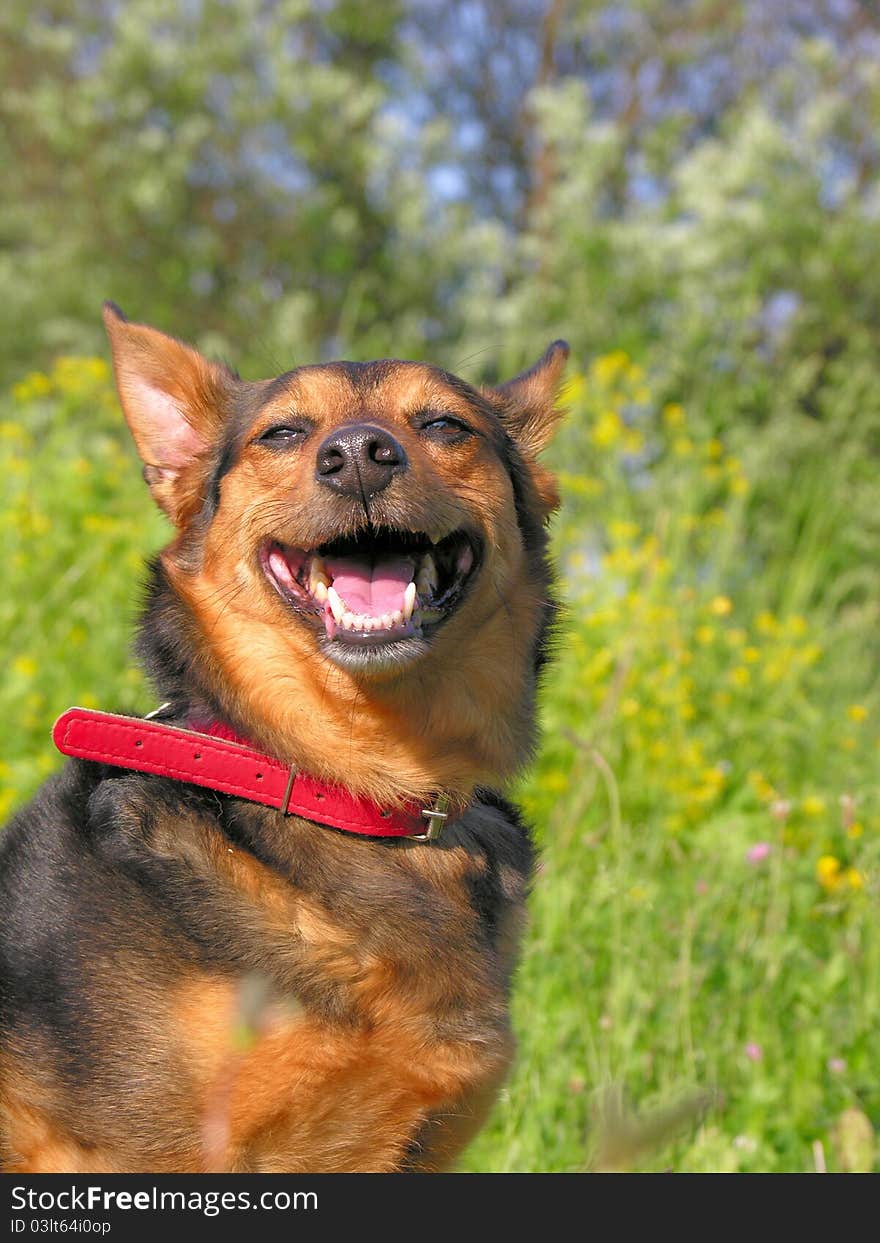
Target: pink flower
(837, 1065)
(758, 853)
(754, 1052)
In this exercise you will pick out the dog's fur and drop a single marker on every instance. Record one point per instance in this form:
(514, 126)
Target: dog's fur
(189, 981)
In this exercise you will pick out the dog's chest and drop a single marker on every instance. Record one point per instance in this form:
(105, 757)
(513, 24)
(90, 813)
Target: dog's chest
(364, 997)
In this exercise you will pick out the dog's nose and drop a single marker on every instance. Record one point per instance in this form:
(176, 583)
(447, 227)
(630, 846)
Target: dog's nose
(359, 460)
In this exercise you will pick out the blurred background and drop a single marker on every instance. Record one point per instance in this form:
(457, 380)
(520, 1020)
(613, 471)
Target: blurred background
(687, 190)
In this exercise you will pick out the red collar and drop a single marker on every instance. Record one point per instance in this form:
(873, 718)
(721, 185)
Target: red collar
(215, 757)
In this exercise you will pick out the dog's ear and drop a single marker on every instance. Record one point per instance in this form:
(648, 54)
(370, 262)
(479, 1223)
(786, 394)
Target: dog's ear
(173, 400)
(527, 408)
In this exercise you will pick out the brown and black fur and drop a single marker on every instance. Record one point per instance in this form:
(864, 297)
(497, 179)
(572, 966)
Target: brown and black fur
(189, 981)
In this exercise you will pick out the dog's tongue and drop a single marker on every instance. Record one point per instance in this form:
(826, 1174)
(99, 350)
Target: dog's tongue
(371, 586)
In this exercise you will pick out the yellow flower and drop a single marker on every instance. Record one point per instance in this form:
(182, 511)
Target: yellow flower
(673, 414)
(828, 872)
(857, 712)
(721, 606)
(629, 707)
(572, 390)
(633, 441)
(24, 666)
(812, 805)
(740, 676)
(682, 446)
(854, 878)
(622, 532)
(704, 634)
(607, 429)
(766, 623)
(608, 367)
(855, 830)
(761, 786)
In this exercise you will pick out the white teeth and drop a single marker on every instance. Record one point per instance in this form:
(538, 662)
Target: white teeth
(409, 600)
(319, 591)
(337, 608)
(348, 621)
(426, 579)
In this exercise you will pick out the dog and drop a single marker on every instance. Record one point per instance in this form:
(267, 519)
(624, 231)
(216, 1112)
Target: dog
(356, 604)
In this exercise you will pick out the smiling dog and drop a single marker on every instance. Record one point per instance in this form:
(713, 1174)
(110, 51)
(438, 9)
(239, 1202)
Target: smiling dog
(198, 971)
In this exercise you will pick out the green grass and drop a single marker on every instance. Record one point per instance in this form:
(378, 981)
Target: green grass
(707, 699)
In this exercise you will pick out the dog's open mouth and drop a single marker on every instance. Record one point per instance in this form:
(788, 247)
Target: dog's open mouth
(375, 588)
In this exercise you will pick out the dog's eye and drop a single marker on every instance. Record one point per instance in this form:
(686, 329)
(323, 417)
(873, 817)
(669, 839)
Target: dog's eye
(284, 434)
(446, 428)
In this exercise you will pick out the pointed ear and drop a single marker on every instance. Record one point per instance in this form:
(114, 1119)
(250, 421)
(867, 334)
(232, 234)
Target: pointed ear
(173, 402)
(528, 402)
(526, 406)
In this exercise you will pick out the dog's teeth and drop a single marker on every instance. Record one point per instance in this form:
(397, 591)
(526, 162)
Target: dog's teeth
(465, 559)
(319, 591)
(348, 621)
(317, 576)
(426, 579)
(337, 608)
(409, 601)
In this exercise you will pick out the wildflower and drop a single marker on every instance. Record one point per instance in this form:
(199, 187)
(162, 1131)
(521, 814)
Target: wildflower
(721, 606)
(837, 1065)
(761, 786)
(812, 805)
(633, 441)
(607, 429)
(854, 878)
(608, 367)
(753, 1051)
(758, 853)
(857, 712)
(740, 676)
(780, 809)
(572, 390)
(24, 666)
(673, 414)
(828, 872)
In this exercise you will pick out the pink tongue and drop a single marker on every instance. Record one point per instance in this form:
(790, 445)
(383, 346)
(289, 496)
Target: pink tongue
(368, 587)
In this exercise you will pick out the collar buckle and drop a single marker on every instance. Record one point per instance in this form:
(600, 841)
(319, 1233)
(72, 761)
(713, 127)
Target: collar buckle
(436, 817)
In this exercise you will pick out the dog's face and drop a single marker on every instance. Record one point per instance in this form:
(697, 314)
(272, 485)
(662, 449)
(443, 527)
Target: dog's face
(374, 527)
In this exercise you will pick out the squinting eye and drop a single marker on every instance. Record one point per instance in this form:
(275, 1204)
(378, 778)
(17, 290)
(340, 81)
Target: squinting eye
(446, 428)
(284, 434)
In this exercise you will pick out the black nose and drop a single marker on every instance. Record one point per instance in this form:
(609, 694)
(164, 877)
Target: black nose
(359, 460)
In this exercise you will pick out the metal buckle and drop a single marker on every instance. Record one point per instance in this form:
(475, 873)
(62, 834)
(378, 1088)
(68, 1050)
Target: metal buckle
(435, 816)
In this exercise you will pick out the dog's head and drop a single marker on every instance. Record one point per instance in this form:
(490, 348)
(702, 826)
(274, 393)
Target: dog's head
(359, 576)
